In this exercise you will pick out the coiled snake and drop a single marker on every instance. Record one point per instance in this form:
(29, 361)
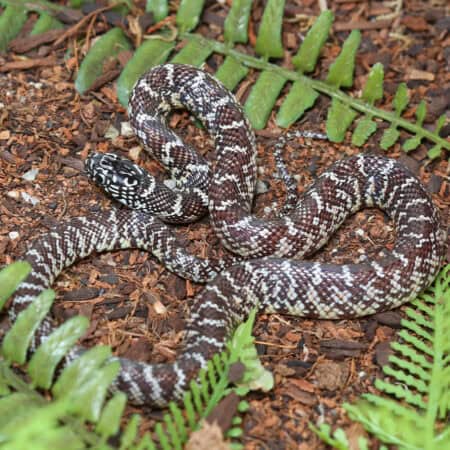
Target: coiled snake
(270, 274)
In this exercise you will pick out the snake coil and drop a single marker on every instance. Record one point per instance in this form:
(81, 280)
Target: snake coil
(270, 274)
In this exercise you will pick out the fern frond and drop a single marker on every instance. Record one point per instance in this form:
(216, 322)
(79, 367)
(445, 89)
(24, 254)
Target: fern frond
(10, 277)
(211, 387)
(34, 421)
(159, 8)
(338, 439)
(197, 49)
(80, 390)
(418, 376)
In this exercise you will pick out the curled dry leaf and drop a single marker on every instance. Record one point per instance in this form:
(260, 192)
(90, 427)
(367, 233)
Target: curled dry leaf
(208, 437)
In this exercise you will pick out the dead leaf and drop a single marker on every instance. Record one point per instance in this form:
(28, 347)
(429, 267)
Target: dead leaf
(4, 135)
(415, 23)
(415, 74)
(208, 437)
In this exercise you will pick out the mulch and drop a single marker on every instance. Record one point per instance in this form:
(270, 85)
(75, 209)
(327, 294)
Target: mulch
(139, 308)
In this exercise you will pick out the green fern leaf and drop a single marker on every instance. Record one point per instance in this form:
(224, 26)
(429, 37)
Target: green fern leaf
(400, 392)
(413, 340)
(190, 410)
(341, 71)
(4, 385)
(421, 112)
(337, 440)
(16, 406)
(365, 127)
(422, 380)
(236, 22)
(79, 371)
(417, 329)
(43, 363)
(388, 403)
(195, 53)
(422, 305)
(339, 118)
(419, 319)
(210, 372)
(16, 342)
(149, 54)
(42, 434)
(179, 421)
(10, 277)
(389, 138)
(12, 20)
(109, 421)
(172, 432)
(262, 98)
(435, 151)
(412, 143)
(162, 437)
(196, 396)
(231, 72)
(301, 97)
(408, 380)
(385, 425)
(410, 367)
(373, 89)
(45, 23)
(306, 59)
(412, 355)
(146, 443)
(130, 433)
(203, 384)
(401, 98)
(159, 8)
(107, 46)
(234, 432)
(440, 123)
(90, 397)
(268, 42)
(188, 14)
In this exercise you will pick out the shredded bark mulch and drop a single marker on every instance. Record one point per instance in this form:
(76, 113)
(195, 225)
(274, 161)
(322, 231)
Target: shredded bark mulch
(138, 307)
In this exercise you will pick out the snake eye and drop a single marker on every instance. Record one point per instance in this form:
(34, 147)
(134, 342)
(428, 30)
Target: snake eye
(99, 178)
(130, 181)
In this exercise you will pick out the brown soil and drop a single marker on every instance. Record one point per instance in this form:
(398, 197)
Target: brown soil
(136, 305)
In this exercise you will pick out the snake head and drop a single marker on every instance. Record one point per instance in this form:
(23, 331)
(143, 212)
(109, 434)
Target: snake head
(119, 177)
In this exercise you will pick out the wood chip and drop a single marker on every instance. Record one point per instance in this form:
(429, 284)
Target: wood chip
(362, 25)
(28, 64)
(22, 45)
(224, 412)
(416, 74)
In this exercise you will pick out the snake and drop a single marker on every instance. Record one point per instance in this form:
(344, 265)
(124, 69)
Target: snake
(269, 267)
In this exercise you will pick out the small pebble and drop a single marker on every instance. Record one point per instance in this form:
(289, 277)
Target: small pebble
(134, 152)
(13, 235)
(126, 130)
(30, 175)
(170, 183)
(261, 187)
(29, 198)
(111, 133)
(15, 195)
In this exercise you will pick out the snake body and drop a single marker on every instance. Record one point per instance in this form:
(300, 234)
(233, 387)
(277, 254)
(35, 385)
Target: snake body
(270, 274)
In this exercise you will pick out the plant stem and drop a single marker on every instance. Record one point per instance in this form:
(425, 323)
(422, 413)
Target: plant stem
(437, 374)
(324, 88)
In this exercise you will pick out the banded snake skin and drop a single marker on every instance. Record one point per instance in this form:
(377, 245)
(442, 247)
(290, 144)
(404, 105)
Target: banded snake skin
(268, 271)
